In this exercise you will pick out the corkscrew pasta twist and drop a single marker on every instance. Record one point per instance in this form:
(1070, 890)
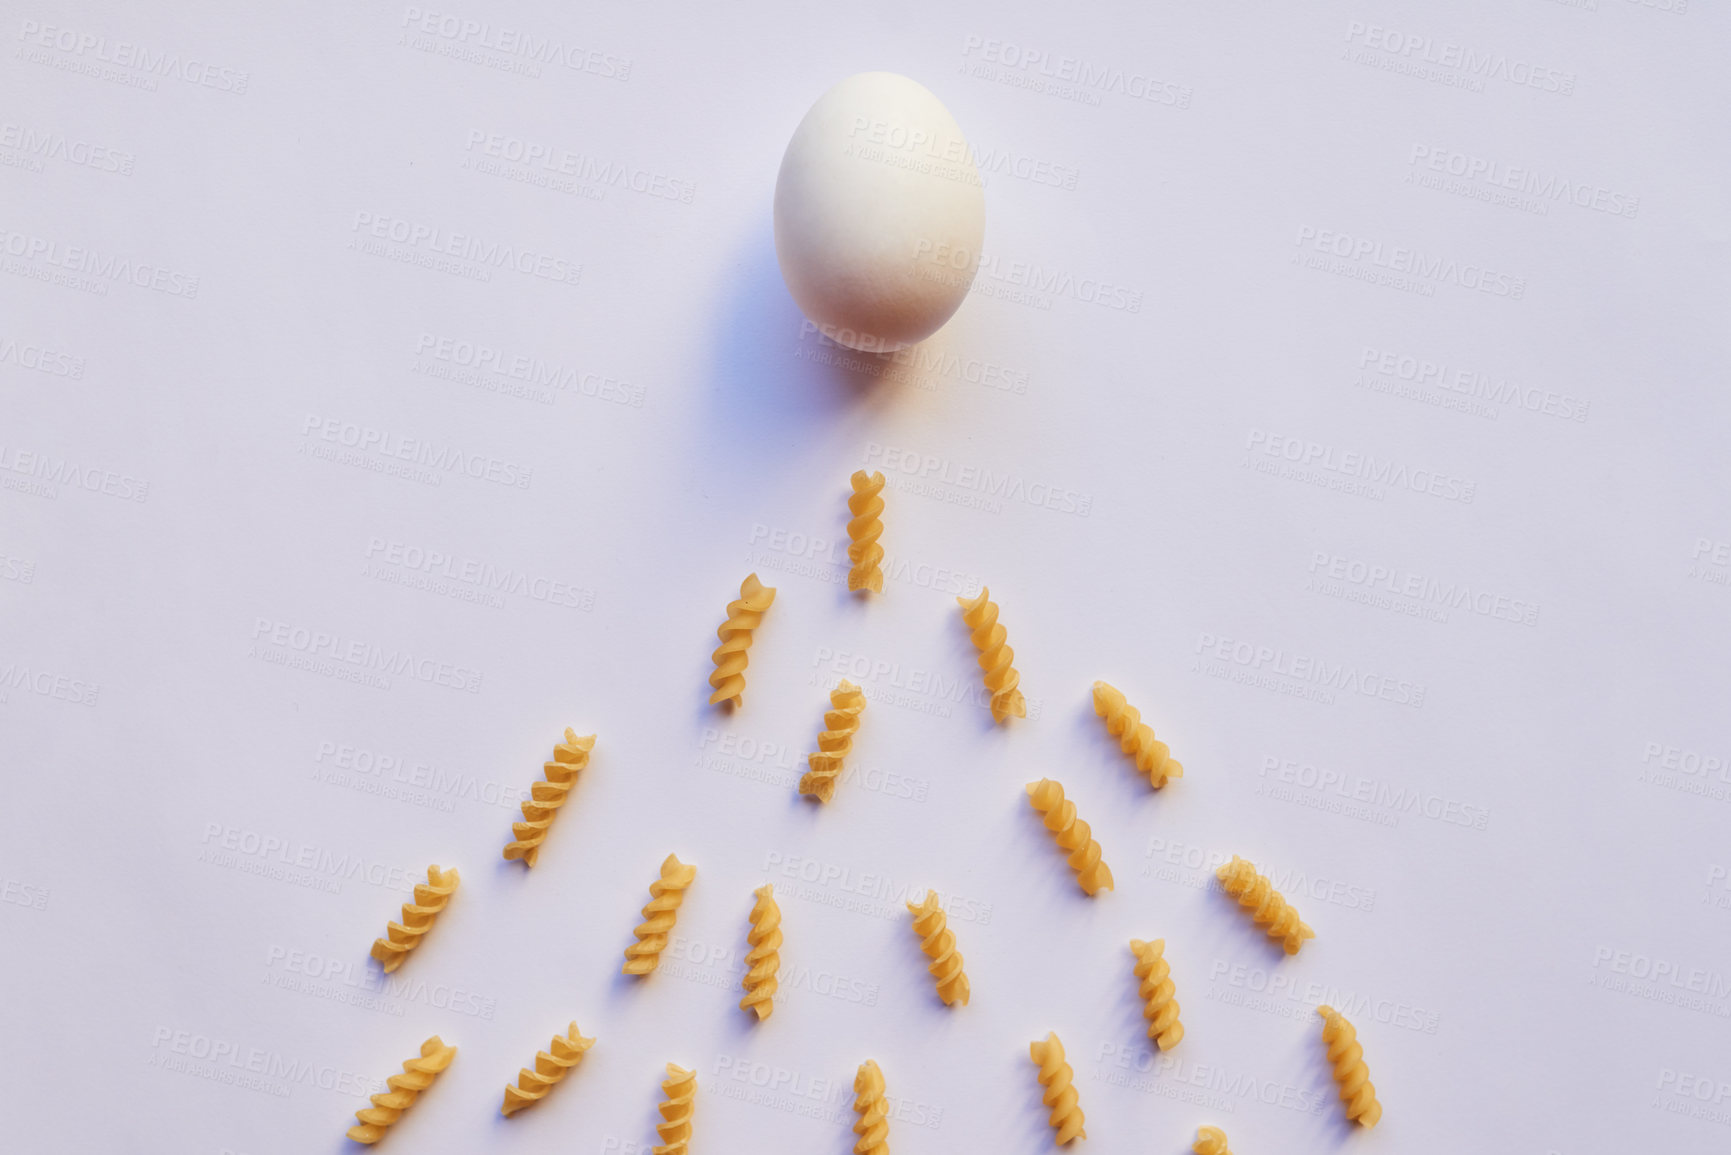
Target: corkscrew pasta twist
(981, 616)
(679, 1091)
(846, 702)
(938, 943)
(763, 960)
(1266, 906)
(744, 614)
(1135, 737)
(872, 1126)
(1210, 1141)
(864, 530)
(388, 1106)
(551, 1066)
(665, 895)
(547, 796)
(400, 938)
(1344, 1052)
(1160, 1006)
(1060, 1094)
(1071, 834)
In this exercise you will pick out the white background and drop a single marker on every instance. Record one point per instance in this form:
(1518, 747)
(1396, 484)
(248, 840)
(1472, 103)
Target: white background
(1527, 902)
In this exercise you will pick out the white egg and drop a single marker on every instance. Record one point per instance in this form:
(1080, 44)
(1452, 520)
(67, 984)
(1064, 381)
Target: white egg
(879, 213)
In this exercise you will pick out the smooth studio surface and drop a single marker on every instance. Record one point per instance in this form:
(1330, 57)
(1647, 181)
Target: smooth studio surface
(385, 390)
(879, 213)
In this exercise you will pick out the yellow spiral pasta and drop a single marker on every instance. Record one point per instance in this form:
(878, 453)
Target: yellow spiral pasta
(546, 797)
(939, 945)
(846, 702)
(1210, 1141)
(863, 531)
(665, 895)
(1160, 1007)
(1267, 908)
(1072, 834)
(403, 937)
(1356, 1089)
(981, 616)
(679, 1091)
(744, 614)
(763, 960)
(872, 1126)
(550, 1067)
(1060, 1094)
(1135, 737)
(388, 1107)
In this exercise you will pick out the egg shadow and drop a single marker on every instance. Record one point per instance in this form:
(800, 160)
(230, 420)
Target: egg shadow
(773, 380)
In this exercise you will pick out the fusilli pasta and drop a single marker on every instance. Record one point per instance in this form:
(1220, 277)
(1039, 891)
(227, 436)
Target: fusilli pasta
(546, 797)
(400, 938)
(841, 722)
(679, 1090)
(763, 960)
(1267, 908)
(1161, 1007)
(417, 1075)
(864, 530)
(744, 614)
(1002, 682)
(939, 945)
(1060, 1090)
(1071, 834)
(1350, 1071)
(550, 1067)
(665, 895)
(1135, 737)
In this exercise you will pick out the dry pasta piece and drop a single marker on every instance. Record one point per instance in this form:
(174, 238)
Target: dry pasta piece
(679, 1090)
(550, 1067)
(1002, 682)
(1071, 834)
(665, 895)
(1210, 1141)
(1160, 1006)
(864, 530)
(872, 1126)
(1356, 1089)
(763, 960)
(1060, 1094)
(1267, 908)
(400, 938)
(1135, 737)
(939, 945)
(744, 614)
(546, 797)
(418, 1074)
(846, 702)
